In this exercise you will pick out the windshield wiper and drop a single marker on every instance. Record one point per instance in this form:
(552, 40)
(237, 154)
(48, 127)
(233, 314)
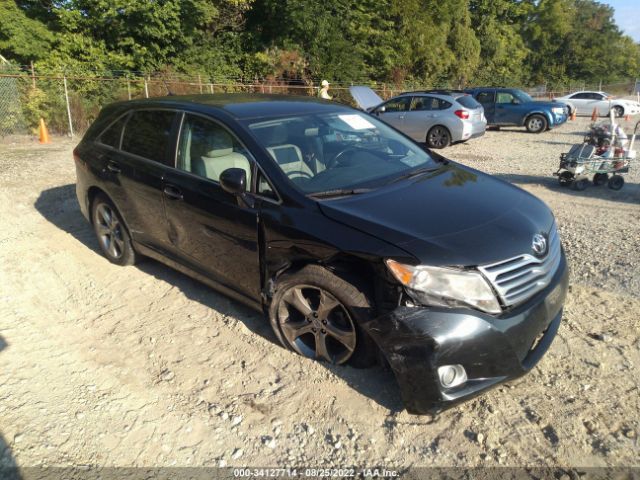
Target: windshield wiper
(340, 192)
(415, 173)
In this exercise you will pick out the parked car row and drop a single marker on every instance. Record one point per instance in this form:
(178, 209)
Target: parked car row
(439, 118)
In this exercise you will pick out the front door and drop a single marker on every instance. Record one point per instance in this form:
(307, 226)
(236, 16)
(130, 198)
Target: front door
(212, 231)
(394, 111)
(507, 109)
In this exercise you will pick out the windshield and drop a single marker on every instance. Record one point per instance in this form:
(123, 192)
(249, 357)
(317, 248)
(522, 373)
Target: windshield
(338, 151)
(523, 97)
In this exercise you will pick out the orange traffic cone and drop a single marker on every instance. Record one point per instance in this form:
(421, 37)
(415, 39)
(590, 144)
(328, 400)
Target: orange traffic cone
(627, 117)
(44, 133)
(573, 115)
(594, 115)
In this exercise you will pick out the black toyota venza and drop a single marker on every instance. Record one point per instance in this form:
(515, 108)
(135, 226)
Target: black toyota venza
(357, 243)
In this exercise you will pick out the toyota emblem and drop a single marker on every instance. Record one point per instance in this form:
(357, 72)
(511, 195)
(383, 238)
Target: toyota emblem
(539, 245)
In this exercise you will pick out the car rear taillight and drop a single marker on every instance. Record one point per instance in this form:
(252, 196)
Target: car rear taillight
(463, 114)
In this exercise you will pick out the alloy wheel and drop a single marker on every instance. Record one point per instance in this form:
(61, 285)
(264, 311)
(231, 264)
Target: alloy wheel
(438, 137)
(535, 124)
(315, 324)
(109, 231)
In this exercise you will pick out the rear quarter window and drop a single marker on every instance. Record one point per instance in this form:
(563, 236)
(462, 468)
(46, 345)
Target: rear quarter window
(111, 136)
(147, 134)
(468, 101)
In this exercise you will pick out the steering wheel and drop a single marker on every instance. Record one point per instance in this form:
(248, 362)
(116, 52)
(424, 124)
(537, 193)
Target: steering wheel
(338, 156)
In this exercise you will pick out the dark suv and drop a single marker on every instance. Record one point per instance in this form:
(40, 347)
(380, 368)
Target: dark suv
(510, 106)
(358, 244)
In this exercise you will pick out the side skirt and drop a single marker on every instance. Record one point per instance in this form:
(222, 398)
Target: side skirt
(151, 253)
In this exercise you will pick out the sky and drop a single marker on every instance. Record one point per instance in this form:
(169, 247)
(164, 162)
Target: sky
(627, 16)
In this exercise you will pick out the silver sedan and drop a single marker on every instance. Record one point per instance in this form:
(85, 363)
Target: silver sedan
(437, 118)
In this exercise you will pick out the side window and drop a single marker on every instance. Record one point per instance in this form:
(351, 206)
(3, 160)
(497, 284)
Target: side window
(504, 97)
(420, 103)
(264, 188)
(580, 96)
(397, 105)
(207, 149)
(147, 134)
(442, 104)
(485, 97)
(111, 136)
(597, 96)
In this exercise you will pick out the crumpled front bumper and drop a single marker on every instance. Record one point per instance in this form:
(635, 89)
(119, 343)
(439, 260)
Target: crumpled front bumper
(417, 340)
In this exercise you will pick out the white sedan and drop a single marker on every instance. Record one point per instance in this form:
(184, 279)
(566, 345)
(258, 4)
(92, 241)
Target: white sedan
(584, 102)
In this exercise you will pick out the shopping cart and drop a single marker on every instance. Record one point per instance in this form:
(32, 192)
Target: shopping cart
(585, 161)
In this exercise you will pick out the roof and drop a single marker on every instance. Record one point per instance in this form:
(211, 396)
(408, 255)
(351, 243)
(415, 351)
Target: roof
(244, 106)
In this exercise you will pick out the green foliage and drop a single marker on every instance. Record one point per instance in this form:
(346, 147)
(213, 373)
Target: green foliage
(410, 42)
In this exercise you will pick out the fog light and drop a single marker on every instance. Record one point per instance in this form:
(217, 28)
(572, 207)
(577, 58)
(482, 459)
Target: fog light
(452, 375)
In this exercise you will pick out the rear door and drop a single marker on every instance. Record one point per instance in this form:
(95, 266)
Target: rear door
(487, 98)
(394, 111)
(137, 170)
(210, 230)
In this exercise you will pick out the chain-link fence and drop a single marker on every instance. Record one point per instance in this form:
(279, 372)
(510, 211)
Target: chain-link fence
(69, 103)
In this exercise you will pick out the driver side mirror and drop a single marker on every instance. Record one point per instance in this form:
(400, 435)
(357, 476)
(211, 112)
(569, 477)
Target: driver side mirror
(380, 110)
(234, 181)
(515, 101)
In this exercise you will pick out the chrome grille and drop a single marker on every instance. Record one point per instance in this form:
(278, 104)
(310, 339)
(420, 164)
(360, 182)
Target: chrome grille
(519, 278)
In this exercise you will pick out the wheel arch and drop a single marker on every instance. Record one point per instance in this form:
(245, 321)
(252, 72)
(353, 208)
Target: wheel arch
(355, 270)
(92, 193)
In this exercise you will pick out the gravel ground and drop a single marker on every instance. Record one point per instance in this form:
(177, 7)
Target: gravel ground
(142, 366)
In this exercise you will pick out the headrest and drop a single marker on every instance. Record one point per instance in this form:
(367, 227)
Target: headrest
(220, 144)
(277, 135)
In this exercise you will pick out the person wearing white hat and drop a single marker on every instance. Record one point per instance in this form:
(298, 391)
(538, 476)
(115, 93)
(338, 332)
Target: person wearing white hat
(324, 91)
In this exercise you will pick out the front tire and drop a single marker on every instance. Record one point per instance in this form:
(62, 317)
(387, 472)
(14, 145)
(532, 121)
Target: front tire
(536, 124)
(438, 137)
(318, 315)
(111, 232)
(618, 111)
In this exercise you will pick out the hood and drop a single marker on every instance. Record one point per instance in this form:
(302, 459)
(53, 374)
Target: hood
(364, 97)
(454, 216)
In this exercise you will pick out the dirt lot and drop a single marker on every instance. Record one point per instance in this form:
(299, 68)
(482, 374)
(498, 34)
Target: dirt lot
(142, 366)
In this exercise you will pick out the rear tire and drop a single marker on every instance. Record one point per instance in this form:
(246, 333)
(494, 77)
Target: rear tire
(438, 137)
(318, 315)
(616, 182)
(536, 124)
(112, 234)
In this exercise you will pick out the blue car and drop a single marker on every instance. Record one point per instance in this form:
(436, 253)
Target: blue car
(510, 106)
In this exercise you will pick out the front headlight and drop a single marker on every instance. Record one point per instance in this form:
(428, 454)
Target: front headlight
(558, 110)
(446, 287)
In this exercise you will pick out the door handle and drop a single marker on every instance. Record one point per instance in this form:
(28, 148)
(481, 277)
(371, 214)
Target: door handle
(172, 192)
(113, 167)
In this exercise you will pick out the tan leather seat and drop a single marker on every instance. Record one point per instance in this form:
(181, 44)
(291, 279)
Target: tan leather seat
(219, 158)
(287, 155)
